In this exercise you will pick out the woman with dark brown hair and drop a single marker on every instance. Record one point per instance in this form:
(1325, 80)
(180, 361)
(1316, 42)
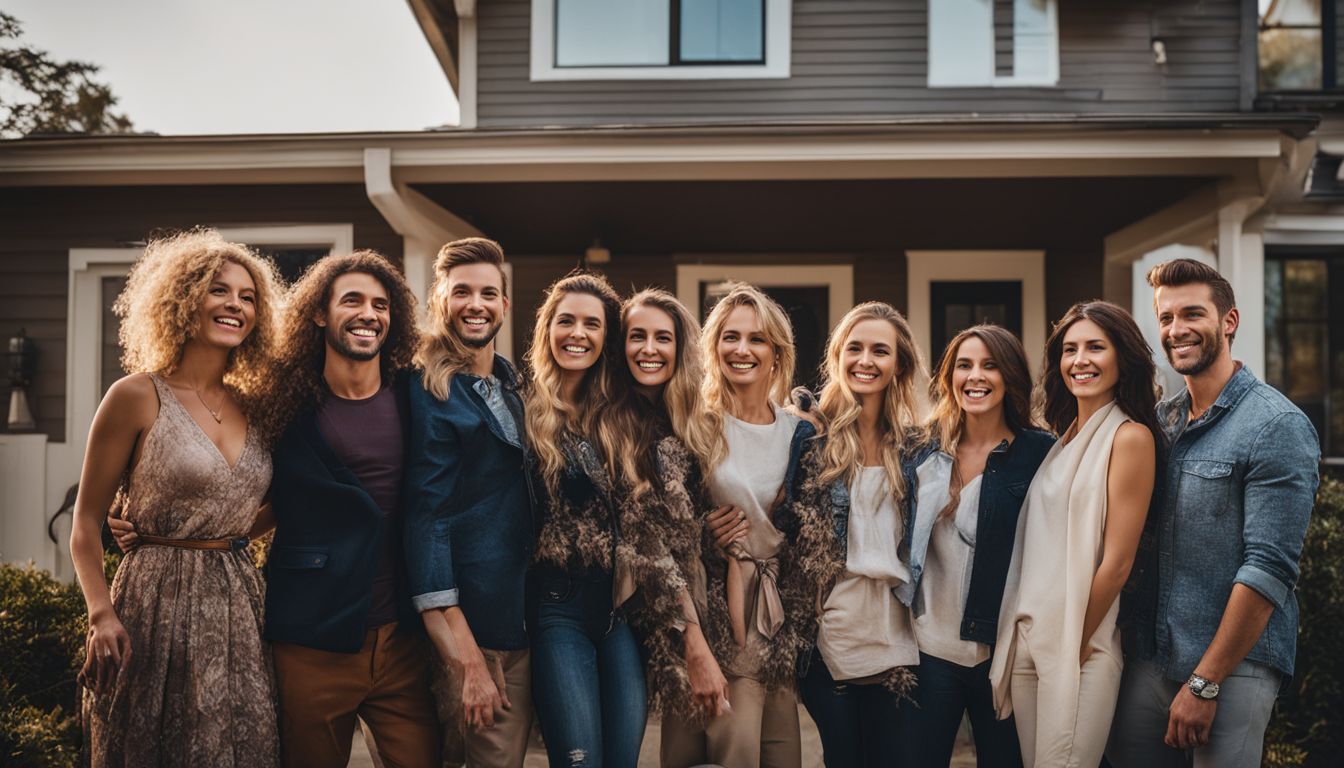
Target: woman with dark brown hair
(965, 487)
(1057, 662)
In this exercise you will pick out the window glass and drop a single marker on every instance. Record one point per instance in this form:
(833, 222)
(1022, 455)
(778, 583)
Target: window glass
(1304, 337)
(110, 365)
(598, 33)
(993, 42)
(722, 30)
(1290, 45)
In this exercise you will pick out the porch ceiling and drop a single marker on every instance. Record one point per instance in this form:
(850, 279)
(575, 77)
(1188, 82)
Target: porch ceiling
(822, 216)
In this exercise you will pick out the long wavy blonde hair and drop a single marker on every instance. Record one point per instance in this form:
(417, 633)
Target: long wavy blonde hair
(164, 292)
(715, 390)
(549, 418)
(442, 353)
(842, 452)
(627, 436)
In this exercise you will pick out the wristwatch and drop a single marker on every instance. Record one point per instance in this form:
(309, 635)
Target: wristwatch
(1204, 689)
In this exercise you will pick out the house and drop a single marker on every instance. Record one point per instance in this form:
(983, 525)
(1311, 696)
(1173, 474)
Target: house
(960, 159)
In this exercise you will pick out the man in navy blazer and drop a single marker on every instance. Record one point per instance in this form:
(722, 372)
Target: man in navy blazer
(345, 639)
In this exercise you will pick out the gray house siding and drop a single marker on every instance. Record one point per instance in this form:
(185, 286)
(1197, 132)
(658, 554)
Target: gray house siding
(868, 59)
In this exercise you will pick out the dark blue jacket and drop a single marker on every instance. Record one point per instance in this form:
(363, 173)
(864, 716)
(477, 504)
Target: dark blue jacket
(328, 543)
(1009, 469)
(470, 526)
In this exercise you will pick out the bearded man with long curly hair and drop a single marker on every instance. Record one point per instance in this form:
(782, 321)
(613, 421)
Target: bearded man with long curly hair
(346, 640)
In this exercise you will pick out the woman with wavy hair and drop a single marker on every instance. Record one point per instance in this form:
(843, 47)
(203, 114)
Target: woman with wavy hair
(964, 489)
(1057, 663)
(587, 677)
(755, 612)
(653, 434)
(846, 514)
(176, 672)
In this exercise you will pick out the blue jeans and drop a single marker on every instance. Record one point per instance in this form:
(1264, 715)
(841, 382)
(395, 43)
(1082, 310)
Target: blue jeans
(859, 725)
(587, 677)
(946, 691)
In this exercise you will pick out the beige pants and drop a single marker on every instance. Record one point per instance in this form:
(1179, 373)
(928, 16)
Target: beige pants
(762, 730)
(504, 745)
(386, 684)
(1056, 729)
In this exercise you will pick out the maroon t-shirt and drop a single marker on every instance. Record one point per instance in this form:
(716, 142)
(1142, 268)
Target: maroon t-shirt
(366, 436)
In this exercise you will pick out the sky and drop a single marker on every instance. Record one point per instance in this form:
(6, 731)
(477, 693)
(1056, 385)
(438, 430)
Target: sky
(251, 66)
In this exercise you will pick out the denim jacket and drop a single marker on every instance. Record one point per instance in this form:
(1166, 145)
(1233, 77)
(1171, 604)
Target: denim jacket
(1240, 485)
(470, 523)
(1009, 469)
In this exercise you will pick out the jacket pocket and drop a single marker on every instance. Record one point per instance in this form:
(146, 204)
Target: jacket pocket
(1205, 485)
(298, 558)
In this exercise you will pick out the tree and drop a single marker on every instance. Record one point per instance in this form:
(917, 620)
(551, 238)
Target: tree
(41, 95)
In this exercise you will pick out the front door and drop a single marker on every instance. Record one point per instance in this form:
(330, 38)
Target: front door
(957, 305)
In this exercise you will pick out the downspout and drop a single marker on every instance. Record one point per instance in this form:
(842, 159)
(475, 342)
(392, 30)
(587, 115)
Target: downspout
(422, 224)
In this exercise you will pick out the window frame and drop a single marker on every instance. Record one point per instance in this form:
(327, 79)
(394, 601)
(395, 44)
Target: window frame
(935, 78)
(1329, 53)
(778, 34)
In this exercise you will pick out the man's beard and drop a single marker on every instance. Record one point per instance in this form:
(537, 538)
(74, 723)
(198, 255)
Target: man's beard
(1210, 347)
(337, 341)
(482, 342)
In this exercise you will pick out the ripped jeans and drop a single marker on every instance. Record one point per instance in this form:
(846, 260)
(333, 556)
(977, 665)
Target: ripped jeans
(587, 676)
(860, 725)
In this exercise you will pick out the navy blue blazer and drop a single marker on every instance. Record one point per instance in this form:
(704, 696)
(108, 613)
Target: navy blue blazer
(328, 543)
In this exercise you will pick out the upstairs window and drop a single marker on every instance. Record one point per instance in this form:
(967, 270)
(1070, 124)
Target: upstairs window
(1296, 45)
(659, 39)
(996, 43)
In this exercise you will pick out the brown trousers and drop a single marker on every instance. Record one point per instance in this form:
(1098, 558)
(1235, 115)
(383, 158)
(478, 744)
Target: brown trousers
(761, 730)
(386, 684)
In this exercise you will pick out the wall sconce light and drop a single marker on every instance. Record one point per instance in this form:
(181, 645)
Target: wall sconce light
(596, 254)
(1159, 51)
(22, 358)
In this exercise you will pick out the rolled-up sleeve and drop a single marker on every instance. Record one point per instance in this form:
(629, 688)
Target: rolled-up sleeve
(1280, 490)
(431, 475)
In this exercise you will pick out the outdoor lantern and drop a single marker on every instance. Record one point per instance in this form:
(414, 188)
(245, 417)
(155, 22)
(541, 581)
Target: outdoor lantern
(22, 358)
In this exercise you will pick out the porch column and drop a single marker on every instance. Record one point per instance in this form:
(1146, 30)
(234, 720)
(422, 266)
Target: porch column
(1241, 259)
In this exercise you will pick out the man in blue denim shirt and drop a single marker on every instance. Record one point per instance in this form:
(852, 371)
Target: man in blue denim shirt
(469, 527)
(1220, 633)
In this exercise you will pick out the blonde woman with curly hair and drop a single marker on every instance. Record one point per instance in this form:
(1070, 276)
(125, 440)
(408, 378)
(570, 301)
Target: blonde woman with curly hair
(845, 511)
(754, 600)
(176, 672)
(587, 676)
(654, 433)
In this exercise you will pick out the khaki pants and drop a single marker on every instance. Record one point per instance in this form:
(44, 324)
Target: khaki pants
(1056, 729)
(386, 684)
(505, 745)
(762, 730)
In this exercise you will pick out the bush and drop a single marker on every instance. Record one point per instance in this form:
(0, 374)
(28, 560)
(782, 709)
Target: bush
(42, 631)
(1306, 728)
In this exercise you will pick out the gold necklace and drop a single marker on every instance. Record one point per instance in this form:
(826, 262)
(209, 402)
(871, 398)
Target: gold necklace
(216, 413)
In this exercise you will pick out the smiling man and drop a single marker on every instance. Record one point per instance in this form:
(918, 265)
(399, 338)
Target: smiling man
(1216, 630)
(346, 641)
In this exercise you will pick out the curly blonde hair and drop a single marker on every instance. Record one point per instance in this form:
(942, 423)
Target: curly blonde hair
(164, 292)
(715, 390)
(551, 420)
(842, 454)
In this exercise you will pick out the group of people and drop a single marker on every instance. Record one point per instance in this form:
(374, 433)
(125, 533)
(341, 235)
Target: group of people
(649, 520)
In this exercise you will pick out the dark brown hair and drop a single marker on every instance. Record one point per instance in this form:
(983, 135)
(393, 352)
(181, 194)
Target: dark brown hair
(1170, 274)
(471, 250)
(297, 383)
(1136, 387)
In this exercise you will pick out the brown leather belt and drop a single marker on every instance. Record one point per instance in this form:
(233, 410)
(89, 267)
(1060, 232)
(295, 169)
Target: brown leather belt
(236, 545)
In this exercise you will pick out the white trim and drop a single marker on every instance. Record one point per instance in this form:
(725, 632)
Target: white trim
(1028, 267)
(339, 238)
(838, 279)
(778, 45)
(1303, 229)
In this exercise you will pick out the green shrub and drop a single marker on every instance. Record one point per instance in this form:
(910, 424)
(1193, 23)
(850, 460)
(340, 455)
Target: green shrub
(1306, 727)
(42, 631)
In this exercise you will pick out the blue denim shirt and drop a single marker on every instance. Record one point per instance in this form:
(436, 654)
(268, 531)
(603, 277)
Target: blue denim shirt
(1240, 485)
(1008, 472)
(470, 527)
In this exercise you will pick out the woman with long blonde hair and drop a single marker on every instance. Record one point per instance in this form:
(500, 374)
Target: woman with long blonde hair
(587, 677)
(754, 605)
(176, 673)
(846, 505)
(654, 433)
(965, 488)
